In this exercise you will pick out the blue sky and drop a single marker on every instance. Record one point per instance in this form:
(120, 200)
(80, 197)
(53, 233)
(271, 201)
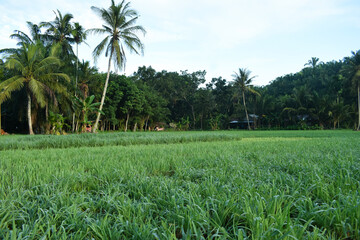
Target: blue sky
(269, 37)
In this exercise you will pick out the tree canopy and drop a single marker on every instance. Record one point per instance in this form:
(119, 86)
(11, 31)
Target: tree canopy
(43, 79)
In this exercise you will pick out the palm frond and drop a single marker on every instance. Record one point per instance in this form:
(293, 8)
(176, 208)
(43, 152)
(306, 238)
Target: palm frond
(37, 89)
(289, 109)
(46, 65)
(54, 76)
(95, 31)
(21, 37)
(10, 85)
(253, 91)
(100, 48)
(8, 51)
(14, 63)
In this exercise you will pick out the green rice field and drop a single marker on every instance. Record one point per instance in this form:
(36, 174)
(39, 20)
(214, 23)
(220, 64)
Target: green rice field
(181, 185)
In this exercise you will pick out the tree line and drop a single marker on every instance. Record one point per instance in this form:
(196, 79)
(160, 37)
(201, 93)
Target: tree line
(45, 88)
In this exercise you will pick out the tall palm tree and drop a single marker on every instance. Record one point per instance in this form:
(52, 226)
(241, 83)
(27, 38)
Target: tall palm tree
(120, 29)
(79, 36)
(243, 81)
(35, 73)
(59, 31)
(85, 73)
(353, 69)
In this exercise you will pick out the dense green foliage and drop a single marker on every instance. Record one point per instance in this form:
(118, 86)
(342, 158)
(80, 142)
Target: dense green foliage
(315, 98)
(320, 96)
(255, 185)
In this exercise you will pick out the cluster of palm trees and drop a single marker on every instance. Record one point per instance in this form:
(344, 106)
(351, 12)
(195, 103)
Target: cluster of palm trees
(45, 74)
(44, 61)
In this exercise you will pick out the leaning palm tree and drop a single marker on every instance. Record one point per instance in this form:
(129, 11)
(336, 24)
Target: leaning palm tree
(120, 29)
(35, 73)
(243, 81)
(352, 68)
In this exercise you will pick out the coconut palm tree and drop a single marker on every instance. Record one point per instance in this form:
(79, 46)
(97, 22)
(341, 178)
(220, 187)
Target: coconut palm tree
(24, 38)
(59, 31)
(120, 29)
(85, 73)
(35, 73)
(352, 67)
(243, 80)
(79, 35)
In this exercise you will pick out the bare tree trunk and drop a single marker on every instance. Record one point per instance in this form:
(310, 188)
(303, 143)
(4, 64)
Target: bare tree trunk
(135, 127)
(47, 124)
(146, 123)
(77, 125)
(73, 122)
(31, 132)
(247, 116)
(104, 93)
(126, 122)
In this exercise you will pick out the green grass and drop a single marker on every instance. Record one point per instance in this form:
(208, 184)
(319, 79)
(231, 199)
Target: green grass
(188, 185)
(125, 139)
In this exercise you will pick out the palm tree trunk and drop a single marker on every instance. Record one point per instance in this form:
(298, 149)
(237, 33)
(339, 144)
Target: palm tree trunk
(104, 93)
(247, 116)
(47, 124)
(31, 132)
(127, 121)
(77, 66)
(358, 128)
(76, 80)
(73, 122)
(77, 118)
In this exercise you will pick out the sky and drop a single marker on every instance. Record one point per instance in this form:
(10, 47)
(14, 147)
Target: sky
(271, 38)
